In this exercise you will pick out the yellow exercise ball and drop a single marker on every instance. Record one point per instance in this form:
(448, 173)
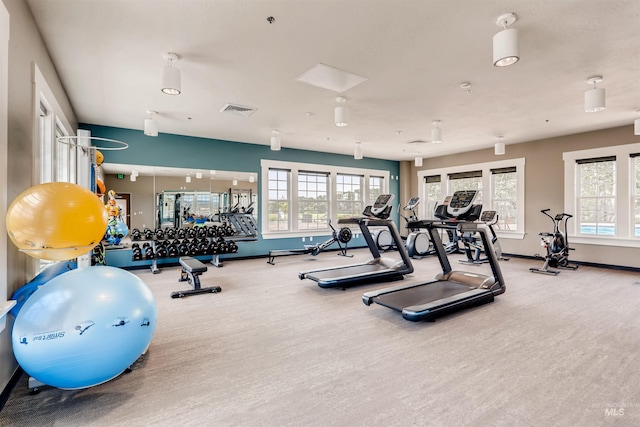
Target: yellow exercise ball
(56, 221)
(99, 157)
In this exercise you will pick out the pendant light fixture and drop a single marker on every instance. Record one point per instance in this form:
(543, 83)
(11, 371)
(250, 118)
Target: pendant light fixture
(505, 43)
(275, 140)
(150, 125)
(594, 99)
(171, 81)
(418, 162)
(340, 114)
(436, 132)
(499, 148)
(357, 151)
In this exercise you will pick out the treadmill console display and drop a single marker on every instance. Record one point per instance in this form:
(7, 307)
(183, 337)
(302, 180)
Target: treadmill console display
(461, 202)
(381, 203)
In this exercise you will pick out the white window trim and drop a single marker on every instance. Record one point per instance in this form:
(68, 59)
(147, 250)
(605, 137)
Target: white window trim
(294, 167)
(43, 94)
(5, 303)
(487, 190)
(624, 178)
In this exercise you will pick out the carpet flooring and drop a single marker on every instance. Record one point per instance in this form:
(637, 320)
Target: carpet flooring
(271, 350)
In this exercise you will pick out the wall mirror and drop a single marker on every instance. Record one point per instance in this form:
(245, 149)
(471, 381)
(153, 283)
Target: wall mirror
(147, 194)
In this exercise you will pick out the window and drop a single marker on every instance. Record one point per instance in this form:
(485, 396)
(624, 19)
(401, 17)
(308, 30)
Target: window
(45, 118)
(635, 159)
(56, 160)
(303, 197)
(504, 182)
(313, 203)
(500, 186)
(461, 181)
(601, 191)
(53, 161)
(349, 195)
(62, 153)
(433, 194)
(376, 188)
(202, 206)
(596, 196)
(278, 209)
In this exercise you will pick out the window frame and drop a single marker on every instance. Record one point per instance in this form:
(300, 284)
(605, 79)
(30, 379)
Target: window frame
(624, 221)
(55, 121)
(311, 223)
(487, 189)
(294, 168)
(49, 121)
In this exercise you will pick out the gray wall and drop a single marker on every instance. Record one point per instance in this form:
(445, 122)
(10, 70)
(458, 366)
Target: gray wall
(25, 48)
(544, 188)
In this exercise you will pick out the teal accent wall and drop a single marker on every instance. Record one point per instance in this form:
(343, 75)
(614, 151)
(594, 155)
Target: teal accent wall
(202, 153)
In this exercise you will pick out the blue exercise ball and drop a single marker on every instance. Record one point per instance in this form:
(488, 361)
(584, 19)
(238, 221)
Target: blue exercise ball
(84, 327)
(22, 294)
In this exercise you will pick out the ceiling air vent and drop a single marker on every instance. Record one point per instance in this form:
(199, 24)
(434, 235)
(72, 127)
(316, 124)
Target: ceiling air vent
(238, 109)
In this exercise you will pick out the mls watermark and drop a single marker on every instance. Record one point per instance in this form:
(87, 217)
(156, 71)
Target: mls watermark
(615, 409)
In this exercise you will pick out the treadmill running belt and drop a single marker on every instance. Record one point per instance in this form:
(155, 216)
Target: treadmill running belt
(354, 274)
(421, 294)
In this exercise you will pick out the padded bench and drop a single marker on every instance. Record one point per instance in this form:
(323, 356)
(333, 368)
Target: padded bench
(191, 271)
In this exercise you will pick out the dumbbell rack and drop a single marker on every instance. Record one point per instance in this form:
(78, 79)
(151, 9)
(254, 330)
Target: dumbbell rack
(216, 260)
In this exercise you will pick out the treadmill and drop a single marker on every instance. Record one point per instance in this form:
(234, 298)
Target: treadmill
(451, 290)
(376, 270)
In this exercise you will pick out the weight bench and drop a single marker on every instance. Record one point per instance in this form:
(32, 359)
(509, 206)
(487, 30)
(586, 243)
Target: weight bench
(191, 271)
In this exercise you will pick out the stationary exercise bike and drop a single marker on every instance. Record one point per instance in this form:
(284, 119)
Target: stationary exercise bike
(556, 244)
(473, 246)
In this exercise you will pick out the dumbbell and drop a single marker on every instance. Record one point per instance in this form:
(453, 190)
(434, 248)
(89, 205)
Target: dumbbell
(159, 233)
(148, 234)
(172, 251)
(232, 247)
(148, 252)
(161, 252)
(183, 250)
(182, 233)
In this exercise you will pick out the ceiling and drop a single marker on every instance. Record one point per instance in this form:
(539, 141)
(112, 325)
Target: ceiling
(414, 55)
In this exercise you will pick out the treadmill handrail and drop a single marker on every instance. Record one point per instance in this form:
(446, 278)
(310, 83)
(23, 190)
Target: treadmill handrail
(429, 309)
(364, 223)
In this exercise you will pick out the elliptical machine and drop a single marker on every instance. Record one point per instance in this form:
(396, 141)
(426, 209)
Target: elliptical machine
(556, 244)
(417, 243)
